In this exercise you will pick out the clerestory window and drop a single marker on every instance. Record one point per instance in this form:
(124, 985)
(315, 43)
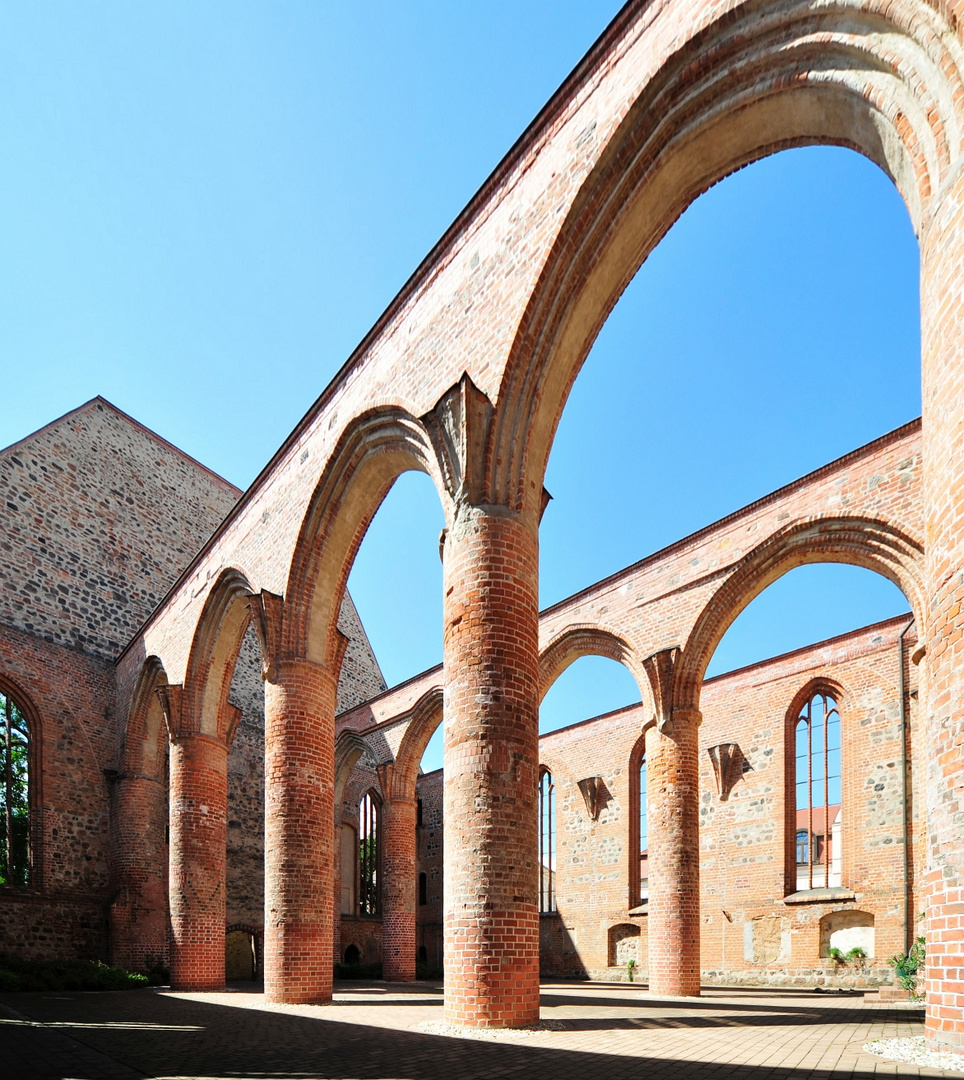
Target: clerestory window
(547, 843)
(817, 778)
(14, 793)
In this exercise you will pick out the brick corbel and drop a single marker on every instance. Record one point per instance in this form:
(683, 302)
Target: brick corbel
(459, 427)
(267, 611)
(661, 670)
(169, 695)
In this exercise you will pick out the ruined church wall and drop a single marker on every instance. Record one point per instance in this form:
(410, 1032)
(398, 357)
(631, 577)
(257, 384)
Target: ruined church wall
(746, 844)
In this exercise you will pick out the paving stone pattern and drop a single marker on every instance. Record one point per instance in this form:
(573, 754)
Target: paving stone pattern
(371, 1031)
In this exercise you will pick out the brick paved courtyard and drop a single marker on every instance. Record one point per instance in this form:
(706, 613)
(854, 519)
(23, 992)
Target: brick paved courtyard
(374, 1031)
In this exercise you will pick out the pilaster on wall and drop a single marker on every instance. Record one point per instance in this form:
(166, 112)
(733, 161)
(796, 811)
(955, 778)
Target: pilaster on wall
(942, 359)
(491, 769)
(299, 832)
(138, 914)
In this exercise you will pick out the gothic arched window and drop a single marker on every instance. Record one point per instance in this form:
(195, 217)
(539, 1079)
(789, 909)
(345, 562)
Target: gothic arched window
(14, 793)
(547, 842)
(817, 825)
(643, 835)
(368, 854)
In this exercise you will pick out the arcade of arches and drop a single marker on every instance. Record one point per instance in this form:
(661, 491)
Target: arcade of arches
(464, 378)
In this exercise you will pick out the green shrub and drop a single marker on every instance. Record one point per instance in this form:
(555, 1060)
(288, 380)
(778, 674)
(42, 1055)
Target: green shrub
(836, 955)
(33, 975)
(906, 966)
(857, 953)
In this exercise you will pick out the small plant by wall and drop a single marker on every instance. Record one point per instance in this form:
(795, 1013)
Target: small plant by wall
(908, 968)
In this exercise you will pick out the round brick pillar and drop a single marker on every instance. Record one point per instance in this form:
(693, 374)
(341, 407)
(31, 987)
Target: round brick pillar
(299, 824)
(491, 770)
(138, 914)
(398, 889)
(942, 356)
(198, 861)
(673, 807)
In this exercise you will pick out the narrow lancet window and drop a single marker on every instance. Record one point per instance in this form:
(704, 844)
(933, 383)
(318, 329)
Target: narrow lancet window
(818, 822)
(547, 843)
(15, 794)
(368, 899)
(643, 835)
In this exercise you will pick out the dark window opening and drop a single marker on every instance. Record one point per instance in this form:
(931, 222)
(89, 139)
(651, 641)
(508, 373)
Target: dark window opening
(352, 955)
(547, 843)
(14, 794)
(368, 854)
(423, 888)
(418, 814)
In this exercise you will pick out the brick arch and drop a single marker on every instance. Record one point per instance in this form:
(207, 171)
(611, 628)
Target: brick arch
(425, 719)
(872, 544)
(373, 451)
(349, 748)
(214, 652)
(145, 736)
(882, 79)
(574, 642)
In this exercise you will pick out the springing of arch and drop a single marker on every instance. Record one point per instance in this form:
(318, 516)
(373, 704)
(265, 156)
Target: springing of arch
(373, 451)
(883, 79)
(369, 854)
(19, 783)
(547, 842)
(874, 545)
(814, 749)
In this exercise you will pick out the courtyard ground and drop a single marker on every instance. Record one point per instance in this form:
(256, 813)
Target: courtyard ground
(379, 1031)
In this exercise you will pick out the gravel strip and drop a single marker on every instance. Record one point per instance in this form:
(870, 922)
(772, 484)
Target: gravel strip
(914, 1052)
(456, 1031)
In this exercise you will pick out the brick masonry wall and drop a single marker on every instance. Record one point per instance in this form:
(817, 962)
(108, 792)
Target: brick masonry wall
(69, 695)
(98, 517)
(744, 840)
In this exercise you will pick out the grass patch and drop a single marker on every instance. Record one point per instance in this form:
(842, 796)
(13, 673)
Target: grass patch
(18, 975)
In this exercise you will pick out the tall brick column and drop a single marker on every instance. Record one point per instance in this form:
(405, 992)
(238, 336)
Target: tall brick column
(674, 857)
(398, 889)
(942, 354)
(491, 770)
(198, 861)
(299, 745)
(138, 914)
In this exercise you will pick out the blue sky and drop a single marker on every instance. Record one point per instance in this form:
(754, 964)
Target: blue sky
(203, 208)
